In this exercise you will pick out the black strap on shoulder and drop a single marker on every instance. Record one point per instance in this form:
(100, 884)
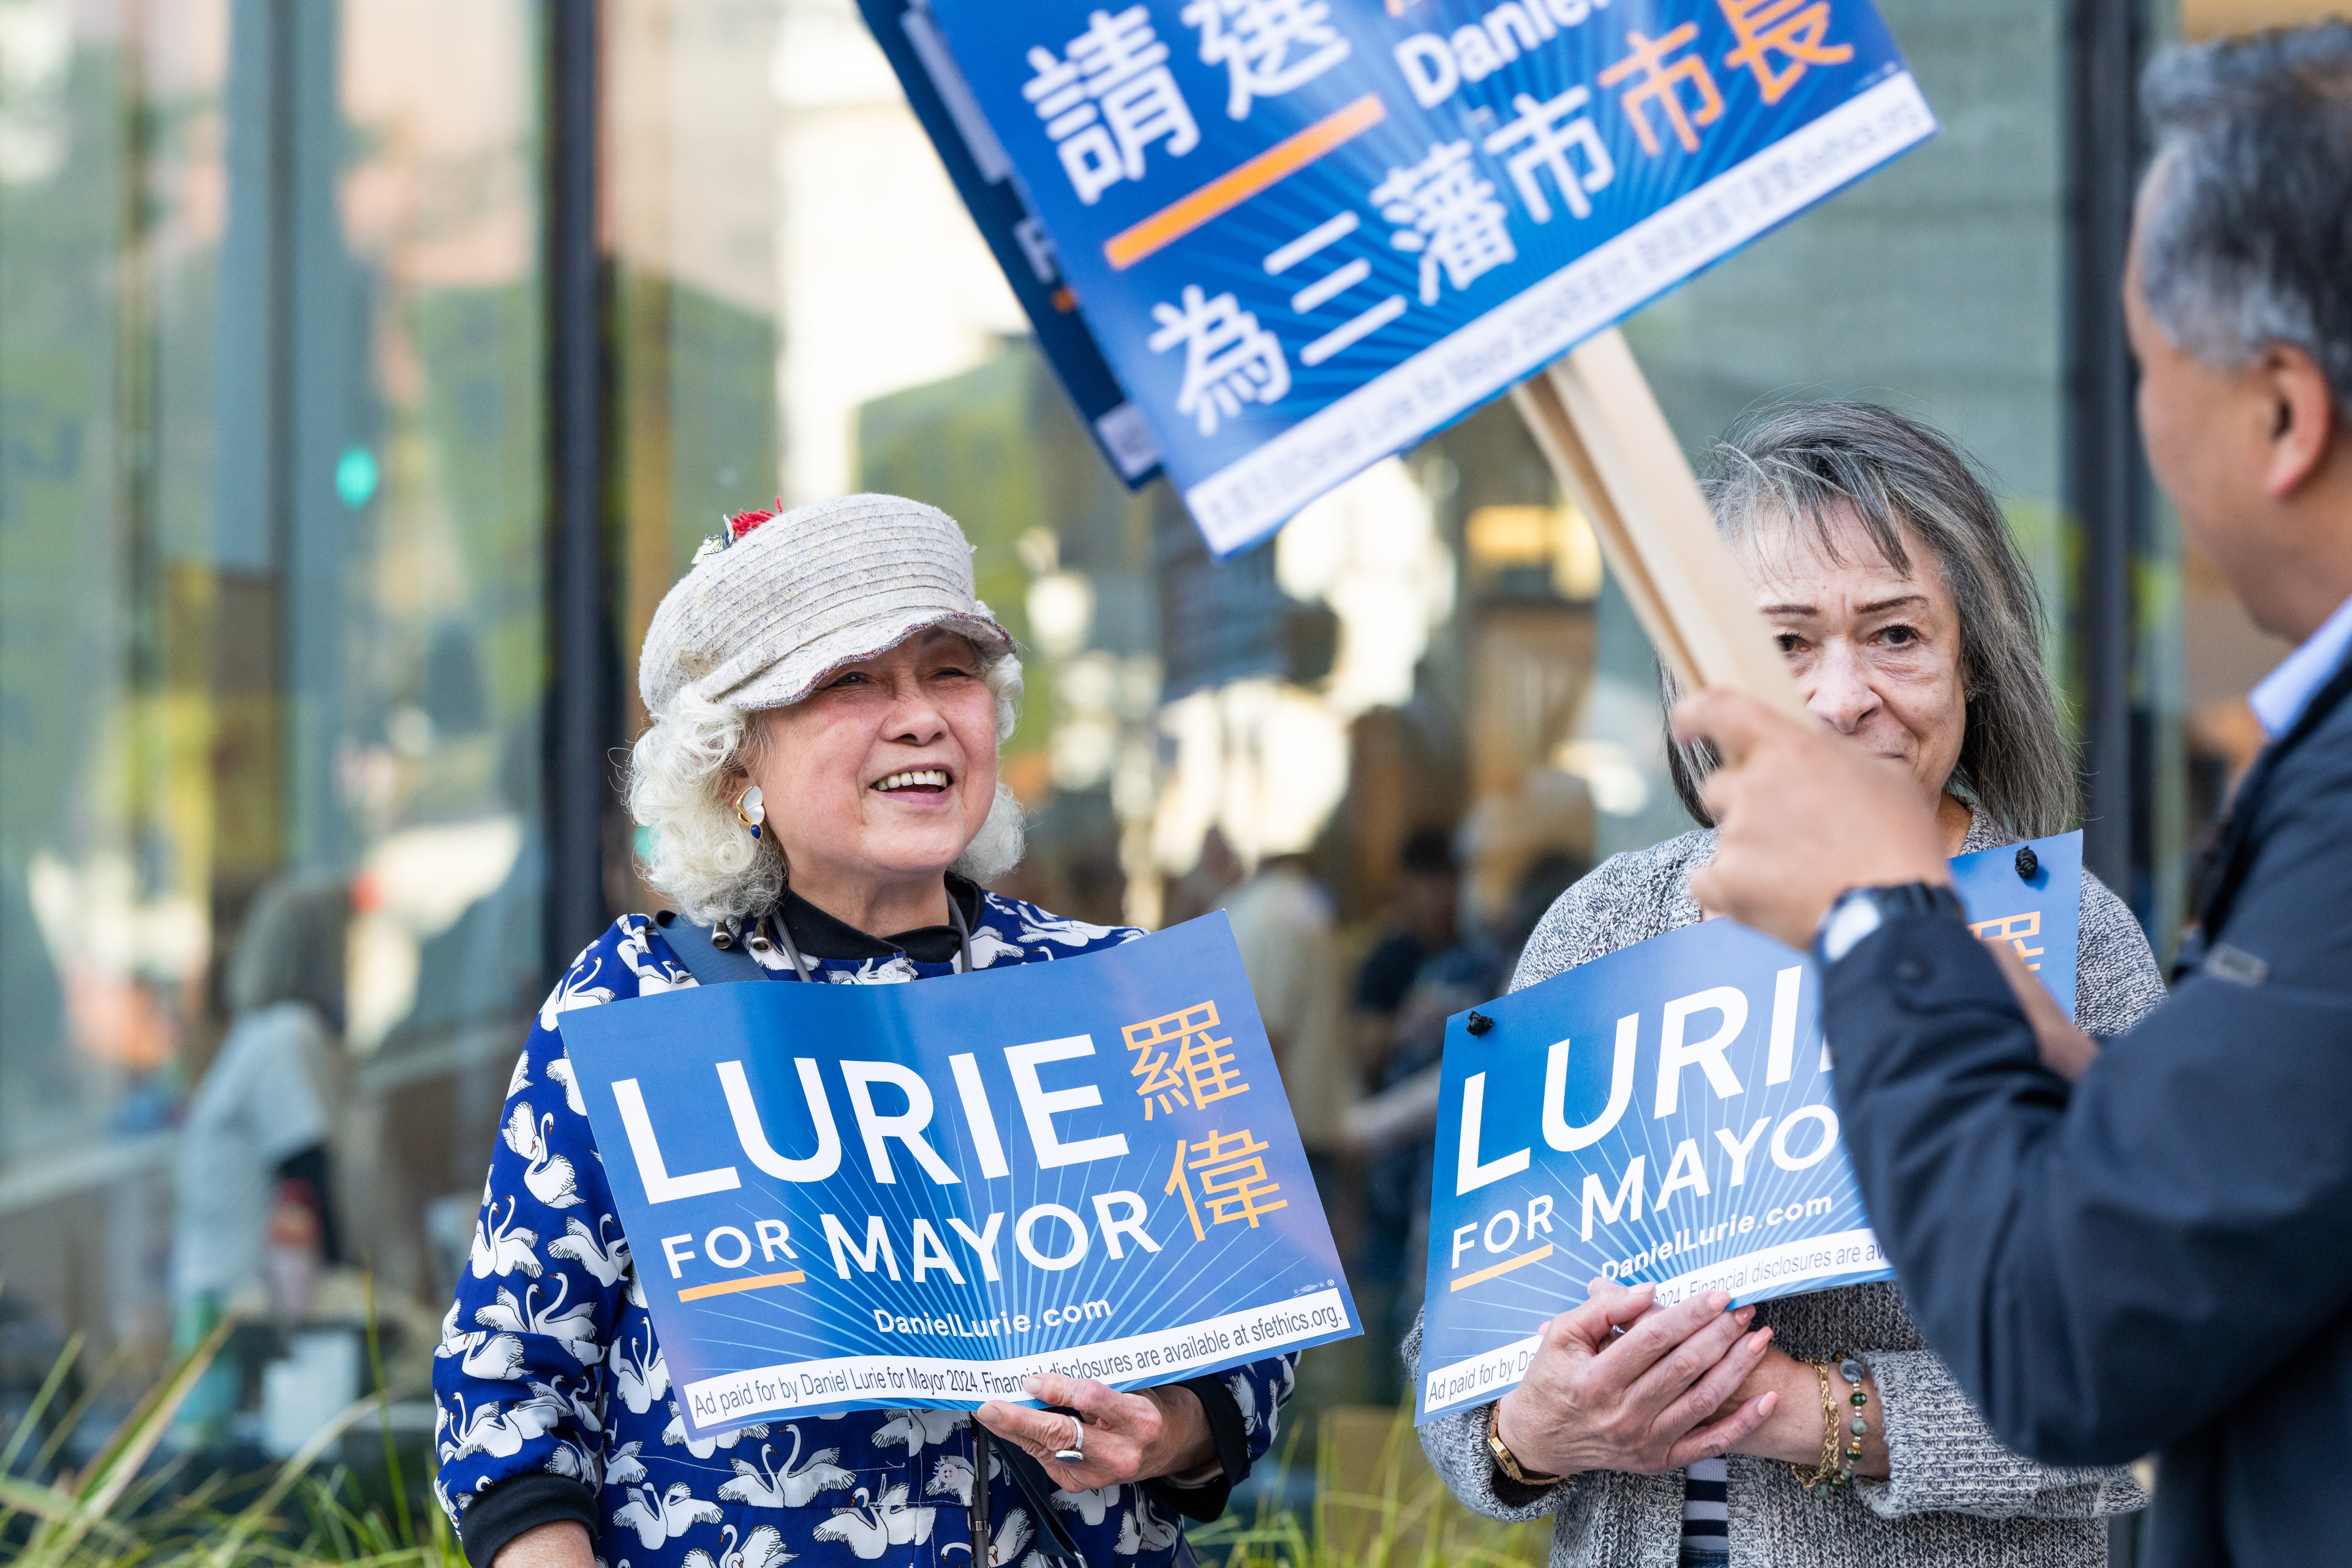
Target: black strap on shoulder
(1053, 1538)
(710, 964)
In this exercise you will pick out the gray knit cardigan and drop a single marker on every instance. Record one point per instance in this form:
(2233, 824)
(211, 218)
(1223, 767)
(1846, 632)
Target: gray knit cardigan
(1955, 1497)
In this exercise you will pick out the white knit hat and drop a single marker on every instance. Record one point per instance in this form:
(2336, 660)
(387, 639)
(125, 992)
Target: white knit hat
(778, 600)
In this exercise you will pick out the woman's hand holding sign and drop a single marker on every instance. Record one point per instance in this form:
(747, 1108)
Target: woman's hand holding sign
(1124, 1437)
(1638, 1401)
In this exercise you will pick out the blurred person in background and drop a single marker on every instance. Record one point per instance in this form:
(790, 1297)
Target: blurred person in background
(820, 781)
(256, 1219)
(1217, 872)
(1394, 1128)
(1392, 1042)
(1422, 917)
(1284, 923)
(1884, 569)
(257, 1216)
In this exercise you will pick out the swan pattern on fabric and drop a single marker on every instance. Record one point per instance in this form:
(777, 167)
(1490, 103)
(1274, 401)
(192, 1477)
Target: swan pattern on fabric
(549, 1365)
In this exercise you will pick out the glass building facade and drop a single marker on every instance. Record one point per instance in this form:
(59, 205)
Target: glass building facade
(272, 598)
(289, 551)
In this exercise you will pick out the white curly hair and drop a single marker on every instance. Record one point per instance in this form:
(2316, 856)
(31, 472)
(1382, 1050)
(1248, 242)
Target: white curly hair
(680, 771)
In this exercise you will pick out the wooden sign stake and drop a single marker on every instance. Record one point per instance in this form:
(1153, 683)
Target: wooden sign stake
(1594, 413)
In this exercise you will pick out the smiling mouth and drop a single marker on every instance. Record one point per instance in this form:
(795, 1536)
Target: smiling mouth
(913, 781)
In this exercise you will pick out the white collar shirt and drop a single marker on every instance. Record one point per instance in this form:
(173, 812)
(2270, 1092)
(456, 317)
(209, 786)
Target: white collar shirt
(2282, 696)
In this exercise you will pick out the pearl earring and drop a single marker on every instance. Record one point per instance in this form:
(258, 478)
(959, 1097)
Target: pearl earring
(752, 809)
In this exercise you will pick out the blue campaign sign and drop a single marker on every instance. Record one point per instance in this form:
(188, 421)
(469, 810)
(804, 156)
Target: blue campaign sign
(976, 162)
(1306, 233)
(1666, 1114)
(2036, 910)
(845, 1196)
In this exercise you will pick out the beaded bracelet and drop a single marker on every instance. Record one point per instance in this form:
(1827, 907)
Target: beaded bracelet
(1837, 1466)
(1851, 1368)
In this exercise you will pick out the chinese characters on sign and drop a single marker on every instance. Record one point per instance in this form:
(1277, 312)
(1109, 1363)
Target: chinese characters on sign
(1182, 1064)
(1229, 358)
(1450, 216)
(1661, 84)
(2014, 929)
(1268, 46)
(1792, 28)
(1107, 97)
(1307, 233)
(1234, 1182)
(937, 1250)
(1200, 1069)
(1543, 136)
(1312, 296)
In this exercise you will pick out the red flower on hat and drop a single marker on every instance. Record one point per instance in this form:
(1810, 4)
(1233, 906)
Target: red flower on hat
(743, 522)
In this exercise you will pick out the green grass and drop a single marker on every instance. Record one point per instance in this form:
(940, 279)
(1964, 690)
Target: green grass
(1377, 1503)
(119, 1511)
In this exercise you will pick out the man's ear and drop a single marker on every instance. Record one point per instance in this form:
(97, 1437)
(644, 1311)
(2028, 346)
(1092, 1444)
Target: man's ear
(2303, 423)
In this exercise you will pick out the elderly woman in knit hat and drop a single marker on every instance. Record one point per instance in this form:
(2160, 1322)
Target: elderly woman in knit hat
(820, 786)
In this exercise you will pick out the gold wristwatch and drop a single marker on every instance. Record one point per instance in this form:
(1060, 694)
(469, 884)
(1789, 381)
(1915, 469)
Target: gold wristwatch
(1506, 1461)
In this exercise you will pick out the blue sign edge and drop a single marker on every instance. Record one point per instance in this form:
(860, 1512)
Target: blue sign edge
(1063, 338)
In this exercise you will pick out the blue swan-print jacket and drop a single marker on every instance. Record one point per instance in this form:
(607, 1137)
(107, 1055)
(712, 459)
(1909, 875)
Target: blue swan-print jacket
(553, 1401)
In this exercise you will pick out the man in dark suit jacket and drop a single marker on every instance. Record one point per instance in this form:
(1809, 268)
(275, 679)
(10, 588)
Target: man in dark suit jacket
(2158, 1256)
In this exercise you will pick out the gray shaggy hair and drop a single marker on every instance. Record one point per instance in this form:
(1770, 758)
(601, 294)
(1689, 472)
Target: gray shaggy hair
(2246, 212)
(698, 853)
(1796, 466)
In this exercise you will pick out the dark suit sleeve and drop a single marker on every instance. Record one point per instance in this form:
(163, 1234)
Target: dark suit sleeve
(2104, 1271)
(516, 1507)
(1205, 1503)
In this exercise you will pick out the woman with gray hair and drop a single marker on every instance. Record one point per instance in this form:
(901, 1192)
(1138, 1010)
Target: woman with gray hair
(820, 783)
(1882, 562)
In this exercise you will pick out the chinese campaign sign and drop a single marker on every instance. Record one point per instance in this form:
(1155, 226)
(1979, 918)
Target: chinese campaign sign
(1306, 233)
(1666, 1114)
(845, 1196)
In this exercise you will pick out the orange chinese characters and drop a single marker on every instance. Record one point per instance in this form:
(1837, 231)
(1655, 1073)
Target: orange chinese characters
(1233, 1181)
(1661, 83)
(2013, 929)
(1792, 28)
(1180, 1062)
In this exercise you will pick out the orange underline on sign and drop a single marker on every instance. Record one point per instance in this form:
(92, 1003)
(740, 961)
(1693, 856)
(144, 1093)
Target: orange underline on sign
(1230, 190)
(1522, 1261)
(757, 1282)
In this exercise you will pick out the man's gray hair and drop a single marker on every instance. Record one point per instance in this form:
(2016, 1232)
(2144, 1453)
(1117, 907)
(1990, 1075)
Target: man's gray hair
(1798, 467)
(2246, 222)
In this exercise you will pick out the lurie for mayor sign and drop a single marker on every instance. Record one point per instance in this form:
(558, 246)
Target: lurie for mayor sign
(1665, 1115)
(1306, 233)
(841, 1196)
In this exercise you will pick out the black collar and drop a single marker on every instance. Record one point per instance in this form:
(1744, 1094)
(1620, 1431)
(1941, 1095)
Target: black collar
(821, 935)
(2231, 858)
